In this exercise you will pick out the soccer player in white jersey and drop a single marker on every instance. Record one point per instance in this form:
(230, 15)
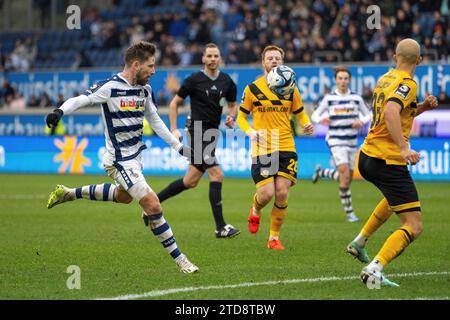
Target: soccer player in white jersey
(344, 112)
(125, 99)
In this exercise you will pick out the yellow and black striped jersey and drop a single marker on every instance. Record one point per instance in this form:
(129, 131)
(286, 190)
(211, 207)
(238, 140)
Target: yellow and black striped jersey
(397, 86)
(271, 113)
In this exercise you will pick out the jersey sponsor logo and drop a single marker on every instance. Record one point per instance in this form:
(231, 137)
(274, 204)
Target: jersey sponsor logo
(272, 109)
(344, 110)
(402, 91)
(132, 103)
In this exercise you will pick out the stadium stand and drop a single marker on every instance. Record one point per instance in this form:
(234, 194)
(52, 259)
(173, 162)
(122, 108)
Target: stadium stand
(311, 32)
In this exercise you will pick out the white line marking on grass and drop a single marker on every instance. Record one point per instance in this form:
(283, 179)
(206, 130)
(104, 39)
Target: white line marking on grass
(22, 196)
(158, 293)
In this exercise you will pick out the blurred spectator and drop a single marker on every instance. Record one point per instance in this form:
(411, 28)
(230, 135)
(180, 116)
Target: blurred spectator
(178, 26)
(7, 93)
(136, 31)
(319, 30)
(43, 6)
(163, 98)
(245, 54)
(232, 18)
(60, 100)
(20, 57)
(17, 103)
(3, 58)
(45, 101)
(81, 61)
(232, 54)
(34, 101)
(443, 99)
(367, 95)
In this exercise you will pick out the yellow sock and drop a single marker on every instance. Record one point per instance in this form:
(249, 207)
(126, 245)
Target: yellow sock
(256, 204)
(277, 219)
(394, 245)
(380, 215)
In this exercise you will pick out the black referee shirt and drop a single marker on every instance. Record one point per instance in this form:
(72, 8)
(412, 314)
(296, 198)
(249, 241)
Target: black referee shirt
(208, 97)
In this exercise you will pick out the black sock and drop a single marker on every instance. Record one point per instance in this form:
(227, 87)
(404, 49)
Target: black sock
(215, 198)
(172, 190)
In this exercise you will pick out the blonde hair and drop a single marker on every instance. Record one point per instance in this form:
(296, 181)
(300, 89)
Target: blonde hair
(210, 45)
(272, 48)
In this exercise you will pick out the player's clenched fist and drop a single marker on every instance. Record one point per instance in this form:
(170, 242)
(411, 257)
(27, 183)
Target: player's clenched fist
(410, 156)
(53, 118)
(308, 129)
(430, 103)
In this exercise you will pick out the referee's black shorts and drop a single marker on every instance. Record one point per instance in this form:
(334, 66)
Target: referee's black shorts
(203, 150)
(394, 181)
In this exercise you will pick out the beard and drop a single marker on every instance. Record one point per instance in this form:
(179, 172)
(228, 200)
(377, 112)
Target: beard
(141, 80)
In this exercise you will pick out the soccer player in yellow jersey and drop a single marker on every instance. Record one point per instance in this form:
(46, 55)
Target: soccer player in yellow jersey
(274, 157)
(383, 161)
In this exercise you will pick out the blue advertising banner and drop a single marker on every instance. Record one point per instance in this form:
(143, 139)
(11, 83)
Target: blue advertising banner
(312, 80)
(83, 155)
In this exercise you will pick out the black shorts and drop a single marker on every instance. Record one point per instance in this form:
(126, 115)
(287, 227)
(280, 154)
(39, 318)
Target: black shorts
(394, 181)
(203, 154)
(265, 168)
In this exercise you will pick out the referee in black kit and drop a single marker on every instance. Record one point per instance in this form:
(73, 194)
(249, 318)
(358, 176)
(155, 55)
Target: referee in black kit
(208, 90)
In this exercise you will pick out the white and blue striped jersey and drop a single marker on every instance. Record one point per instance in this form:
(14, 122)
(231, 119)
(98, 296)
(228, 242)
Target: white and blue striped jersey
(123, 108)
(342, 110)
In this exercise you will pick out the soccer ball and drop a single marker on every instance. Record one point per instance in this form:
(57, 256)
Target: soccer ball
(282, 80)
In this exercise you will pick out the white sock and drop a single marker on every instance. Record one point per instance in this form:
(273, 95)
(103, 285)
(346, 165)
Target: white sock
(375, 265)
(361, 240)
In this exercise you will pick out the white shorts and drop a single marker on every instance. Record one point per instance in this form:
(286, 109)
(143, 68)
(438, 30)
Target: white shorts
(129, 177)
(344, 155)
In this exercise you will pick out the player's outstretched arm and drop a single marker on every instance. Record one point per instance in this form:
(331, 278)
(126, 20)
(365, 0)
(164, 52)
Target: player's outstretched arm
(320, 115)
(67, 107)
(173, 114)
(161, 130)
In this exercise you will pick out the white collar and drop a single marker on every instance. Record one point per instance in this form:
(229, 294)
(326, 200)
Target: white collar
(342, 94)
(123, 78)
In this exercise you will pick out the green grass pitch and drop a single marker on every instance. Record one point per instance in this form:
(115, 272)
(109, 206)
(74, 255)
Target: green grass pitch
(118, 256)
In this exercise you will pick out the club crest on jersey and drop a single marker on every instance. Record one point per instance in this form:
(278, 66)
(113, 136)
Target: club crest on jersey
(132, 103)
(93, 88)
(402, 90)
(264, 173)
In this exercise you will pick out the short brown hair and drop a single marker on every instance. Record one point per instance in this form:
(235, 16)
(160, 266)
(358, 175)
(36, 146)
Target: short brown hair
(210, 45)
(140, 51)
(272, 48)
(341, 69)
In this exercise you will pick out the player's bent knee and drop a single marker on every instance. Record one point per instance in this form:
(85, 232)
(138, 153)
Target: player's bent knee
(281, 195)
(150, 203)
(122, 197)
(265, 196)
(217, 177)
(190, 184)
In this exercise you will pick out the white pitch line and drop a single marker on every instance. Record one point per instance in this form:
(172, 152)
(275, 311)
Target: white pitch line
(158, 293)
